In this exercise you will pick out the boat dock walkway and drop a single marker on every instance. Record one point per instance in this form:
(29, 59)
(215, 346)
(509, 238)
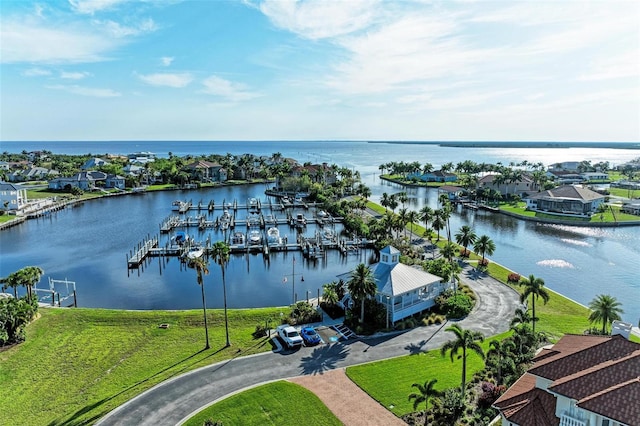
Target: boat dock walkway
(143, 249)
(252, 204)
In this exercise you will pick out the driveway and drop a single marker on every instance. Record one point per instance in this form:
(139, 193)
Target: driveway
(172, 401)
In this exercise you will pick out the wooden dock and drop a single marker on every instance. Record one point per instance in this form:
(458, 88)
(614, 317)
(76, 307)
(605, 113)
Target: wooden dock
(143, 250)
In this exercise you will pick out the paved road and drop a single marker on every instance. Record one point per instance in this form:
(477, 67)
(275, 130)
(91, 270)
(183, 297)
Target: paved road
(170, 402)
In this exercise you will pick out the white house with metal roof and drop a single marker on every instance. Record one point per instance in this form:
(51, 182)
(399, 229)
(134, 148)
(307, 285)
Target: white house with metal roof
(404, 290)
(12, 197)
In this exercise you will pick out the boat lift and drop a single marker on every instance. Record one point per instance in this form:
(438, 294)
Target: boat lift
(52, 293)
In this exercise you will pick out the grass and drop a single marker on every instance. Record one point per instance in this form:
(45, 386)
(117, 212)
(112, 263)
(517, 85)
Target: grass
(607, 217)
(622, 192)
(6, 218)
(79, 364)
(278, 403)
(389, 381)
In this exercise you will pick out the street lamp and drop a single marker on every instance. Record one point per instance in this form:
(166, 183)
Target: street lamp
(387, 312)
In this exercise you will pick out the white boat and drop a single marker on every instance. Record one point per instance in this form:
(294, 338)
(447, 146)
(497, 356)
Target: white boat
(238, 239)
(273, 235)
(255, 237)
(300, 219)
(176, 205)
(322, 214)
(195, 252)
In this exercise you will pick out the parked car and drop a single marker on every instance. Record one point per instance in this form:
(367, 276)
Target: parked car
(289, 336)
(310, 336)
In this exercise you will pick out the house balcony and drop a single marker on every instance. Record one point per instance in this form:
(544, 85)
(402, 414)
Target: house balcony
(568, 420)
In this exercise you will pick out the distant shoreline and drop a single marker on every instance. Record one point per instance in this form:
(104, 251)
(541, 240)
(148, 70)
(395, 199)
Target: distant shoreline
(532, 144)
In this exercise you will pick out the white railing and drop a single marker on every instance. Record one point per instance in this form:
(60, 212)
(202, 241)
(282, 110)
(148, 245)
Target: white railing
(568, 420)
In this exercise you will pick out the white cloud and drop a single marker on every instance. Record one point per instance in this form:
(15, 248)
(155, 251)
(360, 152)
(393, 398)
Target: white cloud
(89, 7)
(118, 30)
(166, 60)
(320, 19)
(36, 72)
(34, 43)
(77, 75)
(175, 80)
(86, 91)
(614, 66)
(229, 90)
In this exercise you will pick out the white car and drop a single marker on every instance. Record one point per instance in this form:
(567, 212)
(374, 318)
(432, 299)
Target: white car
(289, 335)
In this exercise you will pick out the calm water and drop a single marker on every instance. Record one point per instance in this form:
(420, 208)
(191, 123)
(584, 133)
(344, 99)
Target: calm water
(88, 243)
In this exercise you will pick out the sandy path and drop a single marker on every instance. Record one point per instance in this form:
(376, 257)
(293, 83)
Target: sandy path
(346, 400)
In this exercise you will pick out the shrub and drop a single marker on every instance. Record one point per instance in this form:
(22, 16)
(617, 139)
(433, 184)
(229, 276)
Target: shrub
(513, 278)
(260, 331)
(465, 252)
(455, 305)
(483, 262)
(490, 393)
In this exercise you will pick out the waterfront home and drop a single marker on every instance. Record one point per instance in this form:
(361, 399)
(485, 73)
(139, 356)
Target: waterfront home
(319, 173)
(83, 180)
(206, 171)
(437, 176)
(453, 192)
(93, 163)
(566, 200)
(33, 173)
(566, 165)
(114, 181)
(404, 290)
(142, 157)
(631, 207)
(594, 176)
(563, 177)
(498, 182)
(582, 380)
(12, 197)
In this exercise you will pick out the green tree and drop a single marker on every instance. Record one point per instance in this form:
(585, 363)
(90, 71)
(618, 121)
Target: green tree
(501, 352)
(362, 284)
(220, 252)
(439, 221)
(425, 393)
(15, 314)
(202, 268)
(465, 340)
(605, 309)
(26, 277)
(534, 287)
(466, 237)
(484, 245)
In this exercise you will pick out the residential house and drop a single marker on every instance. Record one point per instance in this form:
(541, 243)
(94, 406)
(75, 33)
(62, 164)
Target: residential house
(33, 173)
(12, 197)
(563, 177)
(523, 186)
(594, 176)
(206, 171)
(566, 200)
(404, 290)
(93, 163)
(83, 180)
(566, 165)
(453, 192)
(142, 157)
(631, 207)
(114, 181)
(4, 165)
(319, 173)
(437, 176)
(582, 380)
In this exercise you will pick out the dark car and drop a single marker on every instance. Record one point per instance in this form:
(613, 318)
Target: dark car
(310, 336)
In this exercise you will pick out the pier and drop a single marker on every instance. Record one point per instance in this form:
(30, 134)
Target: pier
(143, 250)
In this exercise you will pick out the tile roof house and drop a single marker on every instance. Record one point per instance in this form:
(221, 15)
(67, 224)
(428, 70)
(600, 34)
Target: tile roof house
(582, 380)
(93, 162)
(437, 176)
(524, 185)
(566, 200)
(319, 173)
(207, 171)
(403, 289)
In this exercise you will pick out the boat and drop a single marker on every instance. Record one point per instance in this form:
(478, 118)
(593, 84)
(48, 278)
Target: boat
(300, 219)
(255, 237)
(195, 252)
(176, 205)
(322, 214)
(253, 219)
(179, 239)
(273, 235)
(286, 200)
(253, 204)
(237, 238)
(328, 234)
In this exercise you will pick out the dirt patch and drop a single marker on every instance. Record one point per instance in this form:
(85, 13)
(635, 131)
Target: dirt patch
(351, 405)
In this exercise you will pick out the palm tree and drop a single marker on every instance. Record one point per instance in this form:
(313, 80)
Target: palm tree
(535, 287)
(404, 218)
(26, 277)
(426, 213)
(466, 236)
(412, 217)
(502, 350)
(484, 245)
(361, 285)
(425, 393)
(448, 251)
(329, 295)
(202, 268)
(521, 316)
(220, 253)
(384, 201)
(439, 222)
(465, 340)
(605, 309)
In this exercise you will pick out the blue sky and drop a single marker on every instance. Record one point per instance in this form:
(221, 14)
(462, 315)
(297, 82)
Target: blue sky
(297, 70)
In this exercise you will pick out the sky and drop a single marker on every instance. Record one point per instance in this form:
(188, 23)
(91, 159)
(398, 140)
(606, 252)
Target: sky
(320, 70)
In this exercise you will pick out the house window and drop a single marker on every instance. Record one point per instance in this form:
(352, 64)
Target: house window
(394, 259)
(605, 422)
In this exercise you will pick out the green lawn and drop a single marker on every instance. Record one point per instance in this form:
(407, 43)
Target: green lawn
(79, 364)
(606, 217)
(278, 403)
(6, 218)
(389, 381)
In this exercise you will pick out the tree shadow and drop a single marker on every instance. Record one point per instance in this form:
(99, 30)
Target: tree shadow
(323, 358)
(415, 348)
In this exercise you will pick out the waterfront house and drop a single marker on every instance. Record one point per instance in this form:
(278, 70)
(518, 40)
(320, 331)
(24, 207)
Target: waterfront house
(437, 176)
(33, 173)
(594, 176)
(83, 180)
(453, 192)
(631, 207)
(522, 186)
(206, 171)
(566, 165)
(563, 177)
(12, 197)
(318, 173)
(582, 380)
(404, 290)
(566, 200)
(114, 181)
